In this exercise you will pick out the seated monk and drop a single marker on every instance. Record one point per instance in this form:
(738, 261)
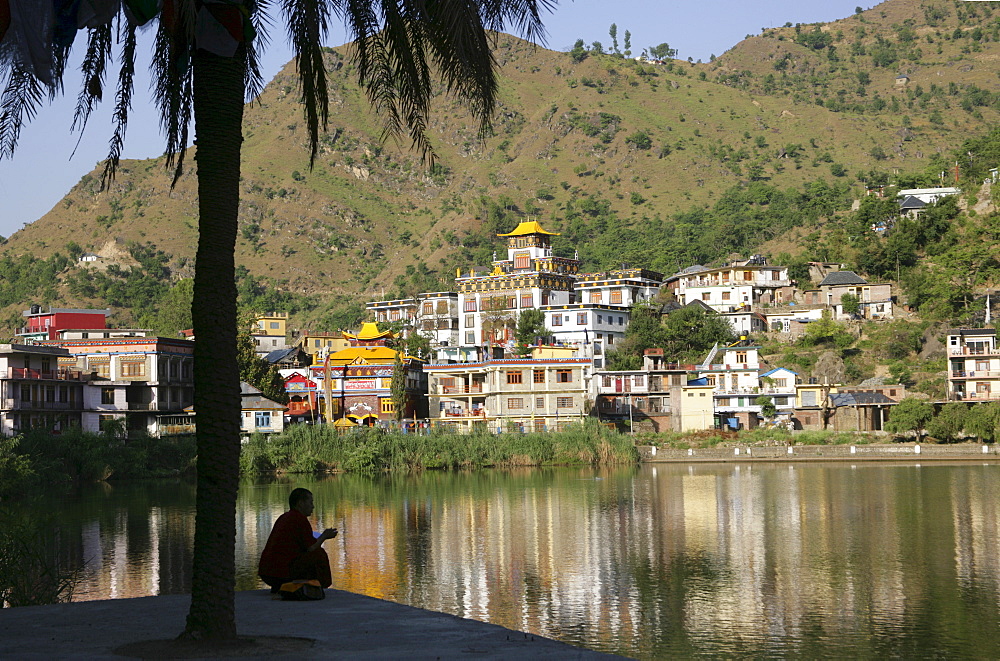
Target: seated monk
(292, 551)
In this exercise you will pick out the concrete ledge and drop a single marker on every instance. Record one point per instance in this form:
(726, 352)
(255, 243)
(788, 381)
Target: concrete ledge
(923, 452)
(344, 625)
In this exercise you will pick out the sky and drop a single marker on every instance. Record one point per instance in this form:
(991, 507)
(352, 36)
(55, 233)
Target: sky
(42, 170)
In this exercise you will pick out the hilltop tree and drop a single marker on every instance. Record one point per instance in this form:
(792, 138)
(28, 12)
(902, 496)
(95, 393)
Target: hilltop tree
(662, 52)
(206, 75)
(628, 44)
(613, 32)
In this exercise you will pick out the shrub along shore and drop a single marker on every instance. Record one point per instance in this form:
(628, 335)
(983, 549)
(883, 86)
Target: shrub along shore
(75, 456)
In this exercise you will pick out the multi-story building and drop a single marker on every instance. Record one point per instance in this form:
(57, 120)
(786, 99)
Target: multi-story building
(315, 342)
(973, 364)
(36, 391)
(269, 332)
(511, 394)
(733, 374)
(650, 398)
(875, 300)
(41, 325)
(147, 381)
(742, 284)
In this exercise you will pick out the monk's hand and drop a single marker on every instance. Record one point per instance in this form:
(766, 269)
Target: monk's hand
(329, 533)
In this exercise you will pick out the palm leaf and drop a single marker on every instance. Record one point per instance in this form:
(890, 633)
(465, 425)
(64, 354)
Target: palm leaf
(19, 103)
(123, 101)
(172, 84)
(93, 68)
(308, 26)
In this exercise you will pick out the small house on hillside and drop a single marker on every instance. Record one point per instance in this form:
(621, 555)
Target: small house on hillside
(260, 415)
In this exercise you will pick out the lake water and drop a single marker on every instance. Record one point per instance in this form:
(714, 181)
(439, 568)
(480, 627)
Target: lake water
(657, 561)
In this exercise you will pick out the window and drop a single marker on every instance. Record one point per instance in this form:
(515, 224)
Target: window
(316, 343)
(132, 368)
(600, 318)
(262, 419)
(621, 321)
(107, 396)
(470, 320)
(726, 295)
(564, 402)
(611, 339)
(639, 380)
(616, 296)
(781, 383)
(515, 403)
(564, 376)
(539, 402)
(538, 376)
(557, 320)
(748, 275)
(470, 337)
(527, 300)
(705, 295)
(275, 325)
(595, 297)
(581, 318)
(522, 260)
(606, 381)
(470, 305)
(513, 377)
(428, 307)
(741, 356)
(387, 405)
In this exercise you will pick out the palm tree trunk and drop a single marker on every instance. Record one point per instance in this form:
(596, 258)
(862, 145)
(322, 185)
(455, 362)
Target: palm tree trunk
(219, 90)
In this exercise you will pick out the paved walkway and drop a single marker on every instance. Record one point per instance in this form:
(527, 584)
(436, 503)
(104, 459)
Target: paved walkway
(344, 625)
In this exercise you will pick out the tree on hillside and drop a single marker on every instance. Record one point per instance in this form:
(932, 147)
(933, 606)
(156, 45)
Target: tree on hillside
(690, 333)
(205, 67)
(613, 32)
(949, 423)
(910, 415)
(662, 52)
(644, 331)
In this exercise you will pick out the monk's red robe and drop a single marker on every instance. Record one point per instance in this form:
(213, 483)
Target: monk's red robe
(286, 555)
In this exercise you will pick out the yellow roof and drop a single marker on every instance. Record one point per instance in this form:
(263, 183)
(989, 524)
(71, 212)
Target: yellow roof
(343, 422)
(367, 354)
(529, 227)
(369, 331)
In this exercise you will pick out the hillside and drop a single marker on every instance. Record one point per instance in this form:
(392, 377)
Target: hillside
(661, 165)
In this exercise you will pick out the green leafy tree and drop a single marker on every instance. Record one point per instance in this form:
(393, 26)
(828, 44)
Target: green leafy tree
(579, 52)
(949, 422)
(173, 313)
(910, 415)
(394, 45)
(530, 327)
(689, 333)
(767, 407)
(851, 304)
(662, 52)
(397, 386)
(983, 421)
(639, 140)
(613, 32)
(628, 44)
(255, 370)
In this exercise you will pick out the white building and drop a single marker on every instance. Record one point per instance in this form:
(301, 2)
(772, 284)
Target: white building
(738, 286)
(928, 195)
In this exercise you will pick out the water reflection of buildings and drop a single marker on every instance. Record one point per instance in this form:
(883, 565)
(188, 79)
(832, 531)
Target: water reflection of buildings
(728, 560)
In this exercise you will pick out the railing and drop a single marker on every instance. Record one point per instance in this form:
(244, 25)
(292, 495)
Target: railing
(966, 351)
(60, 374)
(974, 396)
(475, 413)
(762, 282)
(461, 390)
(721, 367)
(981, 374)
(22, 405)
(142, 406)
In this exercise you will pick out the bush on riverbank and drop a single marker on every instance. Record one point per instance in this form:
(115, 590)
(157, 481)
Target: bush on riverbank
(311, 448)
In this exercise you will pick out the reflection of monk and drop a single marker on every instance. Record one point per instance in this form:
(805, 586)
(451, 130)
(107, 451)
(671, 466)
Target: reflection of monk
(292, 552)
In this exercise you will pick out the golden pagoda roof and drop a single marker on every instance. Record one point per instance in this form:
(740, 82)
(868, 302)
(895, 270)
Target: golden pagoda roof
(362, 355)
(529, 227)
(369, 331)
(343, 422)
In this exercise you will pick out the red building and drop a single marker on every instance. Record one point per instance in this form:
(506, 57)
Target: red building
(46, 325)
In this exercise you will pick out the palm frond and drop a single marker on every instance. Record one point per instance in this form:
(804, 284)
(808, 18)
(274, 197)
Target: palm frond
(93, 68)
(172, 83)
(261, 22)
(308, 25)
(123, 102)
(22, 95)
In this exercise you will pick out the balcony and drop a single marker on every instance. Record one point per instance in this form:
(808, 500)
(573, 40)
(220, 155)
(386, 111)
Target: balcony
(975, 374)
(142, 406)
(29, 405)
(461, 390)
(61, 374)
(974, 396)
(973, 351)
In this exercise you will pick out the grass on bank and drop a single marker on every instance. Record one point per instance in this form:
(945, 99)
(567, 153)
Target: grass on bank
(308, 448)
